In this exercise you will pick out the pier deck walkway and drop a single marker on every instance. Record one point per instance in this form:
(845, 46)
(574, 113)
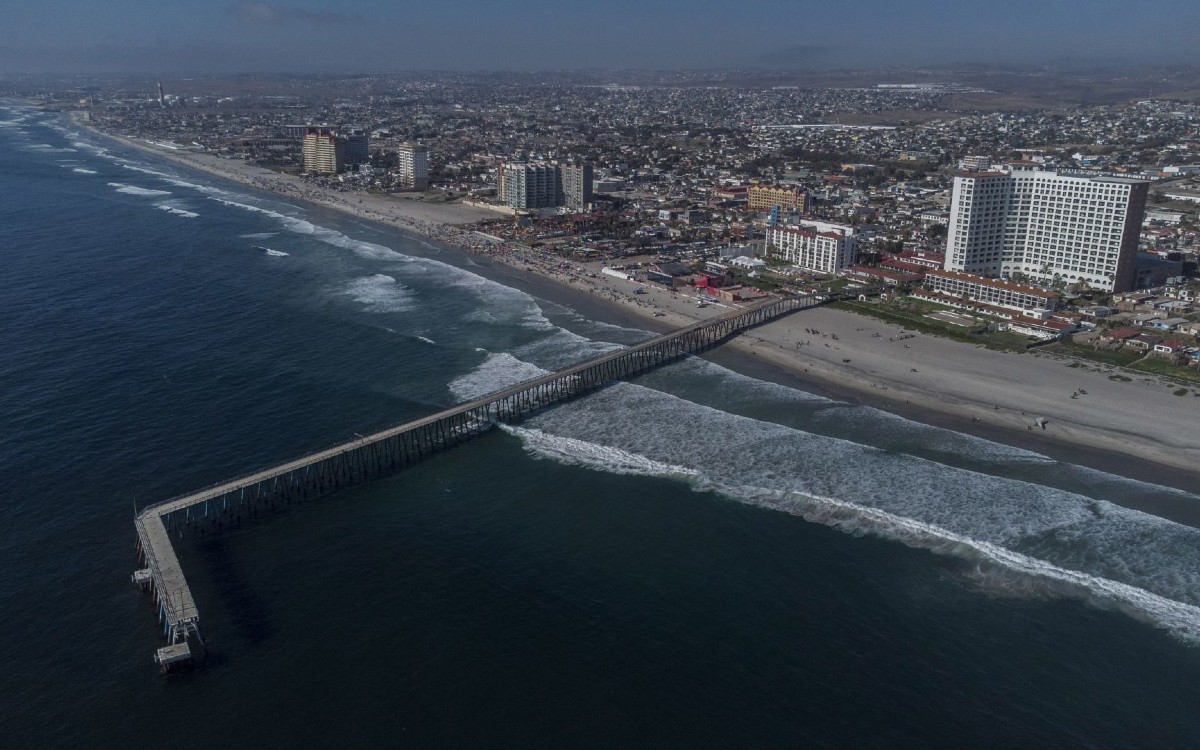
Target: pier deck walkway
(383, 452)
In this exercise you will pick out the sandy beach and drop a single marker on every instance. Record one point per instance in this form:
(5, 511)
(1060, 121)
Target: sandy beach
(1028, 399)
(1079, 403)
(407, 211)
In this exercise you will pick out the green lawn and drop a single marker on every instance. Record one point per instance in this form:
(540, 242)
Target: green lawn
(915, 320)
(1119, 358)
(1158, 366)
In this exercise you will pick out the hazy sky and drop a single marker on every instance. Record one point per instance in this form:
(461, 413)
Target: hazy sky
(184, 36)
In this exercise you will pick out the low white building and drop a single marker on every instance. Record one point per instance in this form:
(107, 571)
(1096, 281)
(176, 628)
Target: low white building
(745, 261)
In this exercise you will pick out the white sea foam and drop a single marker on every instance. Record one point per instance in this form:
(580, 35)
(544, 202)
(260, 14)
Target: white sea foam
(206, 189)
(292, 224)
(380, 293)
(501, 305)
(997, 567)
(275, 253)
(480, 315)
(175, 211)
(599, 326)
(81, 170)
(536, 319)
(297, 225)
(1014, 529)
(561, 349)
(727, 388)
(884, 425)
(504, 304)
(426, 339)
(47, 148)
(498, 370)
(91, 147)
(731, 391)
(360, 248)
(135, 168)
(258, 235)
(582, 453)
(134, 190)
(172, 179)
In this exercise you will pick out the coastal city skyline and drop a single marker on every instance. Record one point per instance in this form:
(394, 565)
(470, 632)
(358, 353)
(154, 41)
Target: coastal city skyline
(646, 374)
(373, 36)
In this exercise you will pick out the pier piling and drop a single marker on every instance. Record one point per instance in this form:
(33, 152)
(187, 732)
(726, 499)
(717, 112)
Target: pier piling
(372, 456)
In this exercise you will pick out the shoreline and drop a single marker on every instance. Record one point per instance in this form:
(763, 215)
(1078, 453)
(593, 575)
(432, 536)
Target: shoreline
(733, 357)
(1134, 429)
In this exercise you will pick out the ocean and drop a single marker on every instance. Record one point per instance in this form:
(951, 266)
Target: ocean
(699, 558)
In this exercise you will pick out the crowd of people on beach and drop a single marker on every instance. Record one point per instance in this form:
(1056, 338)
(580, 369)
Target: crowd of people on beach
(467, 238)
(464, 235)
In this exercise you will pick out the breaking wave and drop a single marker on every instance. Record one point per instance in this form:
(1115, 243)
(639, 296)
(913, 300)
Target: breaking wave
(1018, 537)
(134, 190)
(380, 293)
(178, 212)
(582, 453)
(497, 371)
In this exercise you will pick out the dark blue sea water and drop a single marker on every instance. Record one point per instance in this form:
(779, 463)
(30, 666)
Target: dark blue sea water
(698, 559)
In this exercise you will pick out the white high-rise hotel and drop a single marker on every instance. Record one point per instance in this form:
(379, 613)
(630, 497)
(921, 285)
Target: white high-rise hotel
(1048, 227)
(813, 245)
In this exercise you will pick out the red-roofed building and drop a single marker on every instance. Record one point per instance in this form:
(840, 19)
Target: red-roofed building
(901, 264)
(882, 275)
(924, 258)
(1122, 334)
(1145, 341)
(992, 291)
(1170, 347)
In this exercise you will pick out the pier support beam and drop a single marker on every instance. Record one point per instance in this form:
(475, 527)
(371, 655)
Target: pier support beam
(375, 455)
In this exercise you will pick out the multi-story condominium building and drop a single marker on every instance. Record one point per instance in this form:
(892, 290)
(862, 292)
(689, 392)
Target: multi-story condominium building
(324, 152)
(545, 184)
(358, 145)
(997, 292)
(501, 181)
(813, 245)
(532, 185)
(789, 199)
(1049, 227)
(975, 163)
(414, 165)
(576, 185)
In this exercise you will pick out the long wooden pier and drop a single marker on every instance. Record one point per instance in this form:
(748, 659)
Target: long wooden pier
(387, 451)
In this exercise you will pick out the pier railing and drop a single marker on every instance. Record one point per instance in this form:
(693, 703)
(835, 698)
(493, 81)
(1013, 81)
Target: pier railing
(389, 450)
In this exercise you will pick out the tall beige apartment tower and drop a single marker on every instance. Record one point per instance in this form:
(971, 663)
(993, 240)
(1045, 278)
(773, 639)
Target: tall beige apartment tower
(414, 165)
(324, 152)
